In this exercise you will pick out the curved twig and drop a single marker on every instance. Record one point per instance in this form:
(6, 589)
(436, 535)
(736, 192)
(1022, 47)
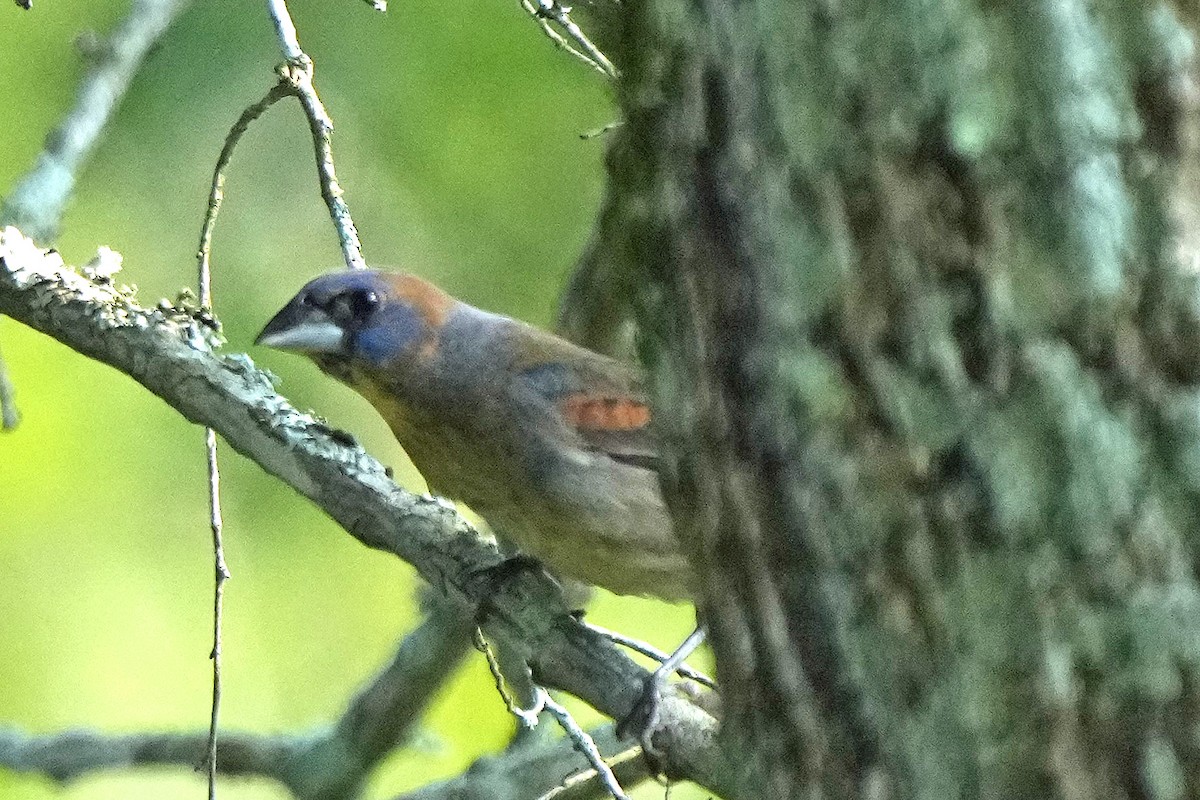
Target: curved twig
(297, 72)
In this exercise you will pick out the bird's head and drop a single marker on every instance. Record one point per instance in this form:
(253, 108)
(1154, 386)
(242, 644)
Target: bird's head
(360, 319)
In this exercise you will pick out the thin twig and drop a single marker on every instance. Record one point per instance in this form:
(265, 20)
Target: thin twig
(537, 769)
(216, 193)
(220, 569)
(543, 701)
(557, 37)
(221, 575)
(204, 255)
(588, 784)
(285, 29)
(527, 716)
(562, 15)
(9, 418)
(295, 79)
(204, 280)
(583, 743)
(545, 10)
(650, 651)
(298, 73)
(595, 133)
(36, 204)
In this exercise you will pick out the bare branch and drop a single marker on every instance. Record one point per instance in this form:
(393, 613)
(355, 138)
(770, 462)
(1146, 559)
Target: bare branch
(220, 575)
(294, 762)
(297, 72)
(216, 192)
(329, 762)
(70, 755)
(629, 767)
(650, 651)
(36, 205)
(585, 745)
(542, 770)
(546, 11)
(204, 281)
(558, 39)
(532, 701)
(170, 352)
(285, 29)
(383, 715)
(528, 715)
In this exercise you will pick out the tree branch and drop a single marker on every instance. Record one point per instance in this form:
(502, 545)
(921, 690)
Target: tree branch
(36, 205)
(382, 716)
(326, 763)
(72, 754)
(170, 352)
(536, 771)
(297, 73)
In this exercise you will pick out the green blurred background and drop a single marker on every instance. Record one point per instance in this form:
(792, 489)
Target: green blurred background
(458, 145)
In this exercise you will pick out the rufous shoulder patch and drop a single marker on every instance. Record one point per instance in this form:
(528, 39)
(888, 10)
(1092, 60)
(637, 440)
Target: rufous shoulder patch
(590, 412)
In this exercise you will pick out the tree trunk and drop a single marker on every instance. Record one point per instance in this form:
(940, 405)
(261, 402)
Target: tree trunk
(929, 371)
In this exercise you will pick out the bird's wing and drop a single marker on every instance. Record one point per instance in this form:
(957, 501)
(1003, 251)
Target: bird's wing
(602, 399)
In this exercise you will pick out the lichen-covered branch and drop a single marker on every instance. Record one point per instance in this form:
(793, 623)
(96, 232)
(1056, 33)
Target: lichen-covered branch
(171, 353)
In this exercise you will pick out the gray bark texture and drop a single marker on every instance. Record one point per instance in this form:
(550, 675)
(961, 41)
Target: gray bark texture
(928, 363)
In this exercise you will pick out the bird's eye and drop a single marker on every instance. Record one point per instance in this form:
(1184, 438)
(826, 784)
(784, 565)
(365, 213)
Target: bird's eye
(353, 306)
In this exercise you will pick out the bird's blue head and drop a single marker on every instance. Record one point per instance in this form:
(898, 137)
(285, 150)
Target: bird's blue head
(363, 318)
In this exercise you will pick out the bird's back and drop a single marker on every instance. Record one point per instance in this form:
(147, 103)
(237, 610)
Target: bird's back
(571, 485)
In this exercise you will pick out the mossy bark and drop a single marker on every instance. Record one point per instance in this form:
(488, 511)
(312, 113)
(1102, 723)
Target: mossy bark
(928, 369)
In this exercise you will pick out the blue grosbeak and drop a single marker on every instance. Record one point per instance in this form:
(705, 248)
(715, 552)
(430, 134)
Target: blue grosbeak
(547, 441)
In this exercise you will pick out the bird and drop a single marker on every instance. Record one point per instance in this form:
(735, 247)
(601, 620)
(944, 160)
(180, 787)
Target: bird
(551, 443)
